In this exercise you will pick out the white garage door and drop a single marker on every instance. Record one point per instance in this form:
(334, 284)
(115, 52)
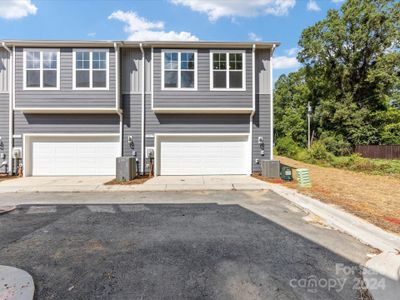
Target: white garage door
(203, 155)
(67, 156)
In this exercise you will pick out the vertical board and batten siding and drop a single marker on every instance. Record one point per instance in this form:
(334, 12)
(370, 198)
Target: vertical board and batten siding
(4, 126)
(4, 104)
(4, 63)
(203, 97)
(63, 123)
(66, 96)
(131, 71)
(263, 71)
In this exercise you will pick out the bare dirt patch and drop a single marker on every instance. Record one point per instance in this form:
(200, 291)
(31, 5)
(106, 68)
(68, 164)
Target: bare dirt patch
(136, 180)
(375, 198)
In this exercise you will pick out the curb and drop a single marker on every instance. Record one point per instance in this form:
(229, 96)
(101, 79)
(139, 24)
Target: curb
(343, 221)
(15, 284)
(141, 188)
(6, 209)
(382, 274)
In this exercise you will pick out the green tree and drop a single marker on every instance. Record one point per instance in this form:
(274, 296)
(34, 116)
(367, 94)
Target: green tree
(351, 75)
(290, 102)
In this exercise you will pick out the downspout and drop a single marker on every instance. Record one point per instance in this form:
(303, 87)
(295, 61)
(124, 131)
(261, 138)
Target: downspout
(272, 105)
(253, 108)
(11, 105)
(143, 148)
(118, 98)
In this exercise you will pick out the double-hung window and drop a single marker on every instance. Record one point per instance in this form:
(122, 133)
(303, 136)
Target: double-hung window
(41, 69)
(227, 70)
(179, 69)
(90, 69)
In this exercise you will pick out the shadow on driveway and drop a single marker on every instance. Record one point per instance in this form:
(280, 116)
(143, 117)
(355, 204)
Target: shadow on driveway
(169, 251)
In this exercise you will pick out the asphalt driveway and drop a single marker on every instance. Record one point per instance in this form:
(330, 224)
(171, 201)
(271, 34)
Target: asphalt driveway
(177, 251)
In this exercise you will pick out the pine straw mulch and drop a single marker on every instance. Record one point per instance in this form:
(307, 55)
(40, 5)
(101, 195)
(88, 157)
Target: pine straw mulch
(375, 198)
(137, 180)
(4, 177)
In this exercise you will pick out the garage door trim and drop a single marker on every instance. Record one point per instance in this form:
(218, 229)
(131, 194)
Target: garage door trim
(29, 137)
(159, 136)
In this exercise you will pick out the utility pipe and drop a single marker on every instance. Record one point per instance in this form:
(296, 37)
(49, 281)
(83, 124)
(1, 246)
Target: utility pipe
(10, 112)
(118, 98)
(143, 148)
(272, 104)
(253, 105)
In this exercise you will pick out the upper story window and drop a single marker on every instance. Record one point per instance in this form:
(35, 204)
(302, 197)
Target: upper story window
(41, 68)
(179, 70)
(90, 69)
(228, 70)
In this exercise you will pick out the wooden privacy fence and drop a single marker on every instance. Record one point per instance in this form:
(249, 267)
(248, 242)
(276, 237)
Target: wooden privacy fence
(379, 151)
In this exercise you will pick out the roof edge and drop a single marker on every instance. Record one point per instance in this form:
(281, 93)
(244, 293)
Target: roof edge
(110, 43)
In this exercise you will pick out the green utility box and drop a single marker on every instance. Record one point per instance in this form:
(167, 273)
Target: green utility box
(286, 173)
(303, 177)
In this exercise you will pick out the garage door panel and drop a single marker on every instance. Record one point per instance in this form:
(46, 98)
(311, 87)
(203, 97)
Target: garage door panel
(203, 155)
(83, 156)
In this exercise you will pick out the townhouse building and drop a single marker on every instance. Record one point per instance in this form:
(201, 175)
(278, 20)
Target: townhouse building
(72, 107)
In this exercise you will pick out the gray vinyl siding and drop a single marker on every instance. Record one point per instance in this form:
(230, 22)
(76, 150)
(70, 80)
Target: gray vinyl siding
(66, 96)
(4, 126)
(263, 71)
(68, 123)
(131, 70)
(4, 63)
(203, 97)
(132, 107)
(261, 128)
(174, 123)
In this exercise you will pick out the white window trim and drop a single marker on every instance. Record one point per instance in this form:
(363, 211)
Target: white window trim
(179, 51)
(41, 88)
(91, 88)
(243, 88)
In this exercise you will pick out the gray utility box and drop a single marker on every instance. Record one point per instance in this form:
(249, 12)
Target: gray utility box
(126, 168)
(270, 168)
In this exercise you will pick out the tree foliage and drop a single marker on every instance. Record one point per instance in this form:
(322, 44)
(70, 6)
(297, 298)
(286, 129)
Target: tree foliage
(351, 76)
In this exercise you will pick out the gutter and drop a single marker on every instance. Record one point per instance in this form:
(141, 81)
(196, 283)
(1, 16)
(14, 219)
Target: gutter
(118, 98)
(271, 104)
(143, 149)
(11, 105)
(253, 108)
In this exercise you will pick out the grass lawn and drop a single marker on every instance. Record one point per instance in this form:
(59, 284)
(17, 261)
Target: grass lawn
(375, 198)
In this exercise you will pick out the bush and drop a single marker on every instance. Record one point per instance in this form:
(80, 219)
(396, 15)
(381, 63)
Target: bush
(335, 144)
(303, 155)
(286, 146)
(318, 152)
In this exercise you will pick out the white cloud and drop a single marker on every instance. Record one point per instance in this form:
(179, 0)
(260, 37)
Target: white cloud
(285, 62)
(337, 1)
(92, 34)
(254, 37)
(16, 9)
(140, 29)
(313, 5)
(216, 9)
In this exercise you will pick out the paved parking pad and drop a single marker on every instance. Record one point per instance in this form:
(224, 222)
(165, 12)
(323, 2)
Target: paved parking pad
(168, 251)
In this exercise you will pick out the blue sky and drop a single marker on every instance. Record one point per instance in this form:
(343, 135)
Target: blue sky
(212, 20)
